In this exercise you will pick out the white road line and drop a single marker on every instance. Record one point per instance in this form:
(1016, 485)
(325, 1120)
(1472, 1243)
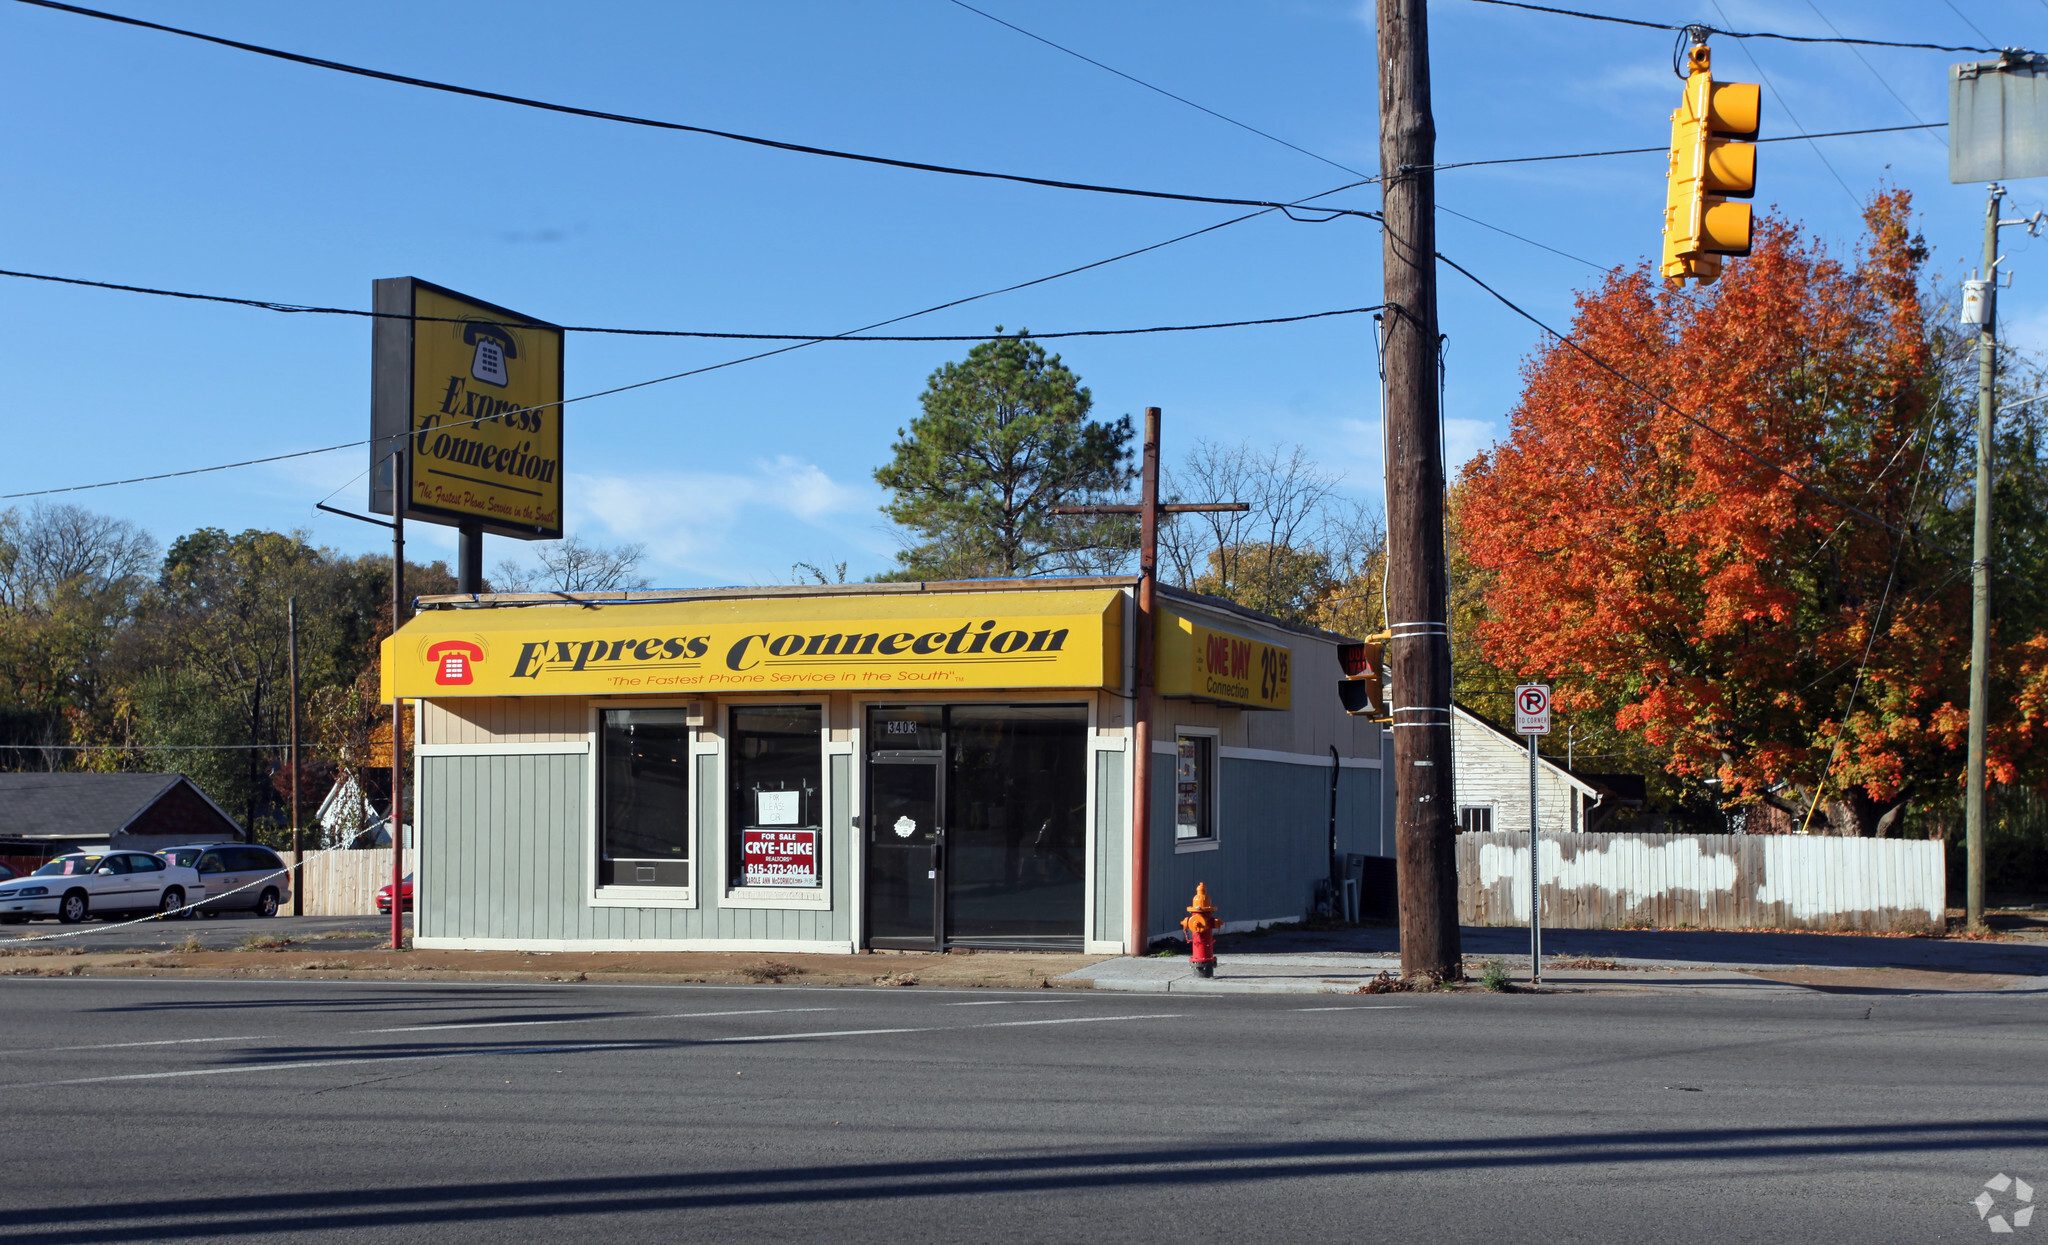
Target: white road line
(38, 1050)
(320, 1063)
(589, 1020)
(791, 1037)
(1009, 1002)
(1079, 1020)
(1362, 1007)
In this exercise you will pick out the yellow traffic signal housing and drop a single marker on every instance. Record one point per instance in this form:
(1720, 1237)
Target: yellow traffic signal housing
(1363, 689)
(1709, 166)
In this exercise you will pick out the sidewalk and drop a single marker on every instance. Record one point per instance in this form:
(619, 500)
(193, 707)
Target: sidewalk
(1342, 961)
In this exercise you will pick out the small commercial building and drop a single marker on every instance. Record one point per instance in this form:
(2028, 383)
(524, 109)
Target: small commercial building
(903, 766)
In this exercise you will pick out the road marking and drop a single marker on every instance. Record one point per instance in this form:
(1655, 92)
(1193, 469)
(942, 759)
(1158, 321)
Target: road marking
(321, 1063)
(254, 1037)
(1361, 1007)
(589, 1020)
(1079, 1020)
(791, 1037)
(1007, 1002)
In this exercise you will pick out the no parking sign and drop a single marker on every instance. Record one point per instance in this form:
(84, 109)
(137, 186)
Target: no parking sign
(1532, 709)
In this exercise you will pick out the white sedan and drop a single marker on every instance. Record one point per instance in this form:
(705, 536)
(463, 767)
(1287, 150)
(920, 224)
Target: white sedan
(106, 884)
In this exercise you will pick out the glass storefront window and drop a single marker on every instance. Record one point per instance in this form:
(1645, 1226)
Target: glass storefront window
(1194, 788)
(777, 815)
(644, 798)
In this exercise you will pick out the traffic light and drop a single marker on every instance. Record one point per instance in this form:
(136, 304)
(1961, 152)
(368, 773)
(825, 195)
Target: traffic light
(1363, 689)
(1709, 166)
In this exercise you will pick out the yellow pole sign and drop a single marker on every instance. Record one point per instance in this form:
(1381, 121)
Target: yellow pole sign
(1206, 664)
(478, 389)
(804, 645)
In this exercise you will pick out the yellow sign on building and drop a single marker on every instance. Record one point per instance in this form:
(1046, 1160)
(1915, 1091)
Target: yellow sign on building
(803, 645)
(1206, 664)
(479, 388)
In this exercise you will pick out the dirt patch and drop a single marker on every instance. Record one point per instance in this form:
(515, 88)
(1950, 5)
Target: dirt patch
(1877, 980)
(986, 970)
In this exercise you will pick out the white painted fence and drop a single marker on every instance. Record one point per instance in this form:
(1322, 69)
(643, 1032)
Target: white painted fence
(1705, 881)
(345, 883)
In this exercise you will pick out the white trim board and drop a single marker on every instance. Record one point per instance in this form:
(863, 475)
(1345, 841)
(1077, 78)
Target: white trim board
(560, 747)
(1164, 748)
(633, 944)
(1297, 758)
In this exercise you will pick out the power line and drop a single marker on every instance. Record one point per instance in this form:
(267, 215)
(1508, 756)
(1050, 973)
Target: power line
(1733, 34)
(1881, 80)
(346, 445)
(676, 126)
(305, 309)
(1780, 97)
(1966, 21)
(1156, 89)
(1646, 151)
(141, 747)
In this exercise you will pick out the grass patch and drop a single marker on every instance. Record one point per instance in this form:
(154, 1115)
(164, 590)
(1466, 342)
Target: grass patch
(1494, 975)
(262, 942)
(775, 972)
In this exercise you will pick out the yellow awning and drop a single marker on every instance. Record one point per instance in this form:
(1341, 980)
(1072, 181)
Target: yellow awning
(898, 642)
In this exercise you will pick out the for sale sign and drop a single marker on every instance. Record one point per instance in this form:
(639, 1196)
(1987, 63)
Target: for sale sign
(779, 857)
(1532, 709)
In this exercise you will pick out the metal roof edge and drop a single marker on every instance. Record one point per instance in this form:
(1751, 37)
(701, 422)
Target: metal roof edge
(1231, 607)
(514, 600)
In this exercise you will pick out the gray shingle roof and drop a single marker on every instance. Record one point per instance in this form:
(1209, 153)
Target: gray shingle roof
(76, 805)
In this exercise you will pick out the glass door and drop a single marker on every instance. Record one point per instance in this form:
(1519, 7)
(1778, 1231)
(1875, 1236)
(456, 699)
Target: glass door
(905, 852)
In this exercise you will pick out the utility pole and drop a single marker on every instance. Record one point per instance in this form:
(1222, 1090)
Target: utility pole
(291, 659)
(1419, 648)
(401, 497)
(1148, 511)
(1980, 570)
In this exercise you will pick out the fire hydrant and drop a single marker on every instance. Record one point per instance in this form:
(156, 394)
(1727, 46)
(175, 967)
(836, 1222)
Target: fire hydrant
(1201, 923)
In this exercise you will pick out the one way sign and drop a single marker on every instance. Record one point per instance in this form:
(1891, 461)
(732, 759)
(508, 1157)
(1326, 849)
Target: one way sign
(1532, 709)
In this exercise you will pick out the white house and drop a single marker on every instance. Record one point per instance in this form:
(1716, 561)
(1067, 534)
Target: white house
(1490, 766)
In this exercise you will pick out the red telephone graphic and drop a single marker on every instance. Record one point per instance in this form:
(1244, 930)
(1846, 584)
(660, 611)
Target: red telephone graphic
(453, 660)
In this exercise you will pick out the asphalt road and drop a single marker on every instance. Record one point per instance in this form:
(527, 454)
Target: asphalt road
(185, 1110)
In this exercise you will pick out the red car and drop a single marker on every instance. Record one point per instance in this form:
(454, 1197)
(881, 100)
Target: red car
(384, 897)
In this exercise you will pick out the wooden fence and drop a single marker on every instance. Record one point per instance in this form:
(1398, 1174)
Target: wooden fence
(345, 883)
(1705, 881)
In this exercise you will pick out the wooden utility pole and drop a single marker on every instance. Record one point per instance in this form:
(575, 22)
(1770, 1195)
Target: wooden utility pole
(1420, 647)
(1148, 511)
(291, 657)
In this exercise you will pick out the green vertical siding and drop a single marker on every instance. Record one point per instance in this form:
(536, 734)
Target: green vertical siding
(505, 847)
(1111, 834)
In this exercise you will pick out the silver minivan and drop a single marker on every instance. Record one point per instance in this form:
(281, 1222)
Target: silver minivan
(237, 877)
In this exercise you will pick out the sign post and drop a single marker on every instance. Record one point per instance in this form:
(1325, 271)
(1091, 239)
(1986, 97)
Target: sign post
(1532, 718)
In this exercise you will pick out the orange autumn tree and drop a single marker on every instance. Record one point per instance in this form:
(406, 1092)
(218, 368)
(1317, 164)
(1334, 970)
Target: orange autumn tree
(1640, 544)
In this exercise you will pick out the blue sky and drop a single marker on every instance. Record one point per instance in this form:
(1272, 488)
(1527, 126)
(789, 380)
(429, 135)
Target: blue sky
(147, 159)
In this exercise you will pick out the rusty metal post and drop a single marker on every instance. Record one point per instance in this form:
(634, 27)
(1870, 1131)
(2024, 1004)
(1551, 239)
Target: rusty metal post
(1141, 703)
(291, 658)
(401, 496)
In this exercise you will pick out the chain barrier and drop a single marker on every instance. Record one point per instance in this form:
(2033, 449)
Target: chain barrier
(169, 913)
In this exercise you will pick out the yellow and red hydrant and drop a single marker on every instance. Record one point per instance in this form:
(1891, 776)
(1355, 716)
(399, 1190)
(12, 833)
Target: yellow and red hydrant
(1201, 923)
